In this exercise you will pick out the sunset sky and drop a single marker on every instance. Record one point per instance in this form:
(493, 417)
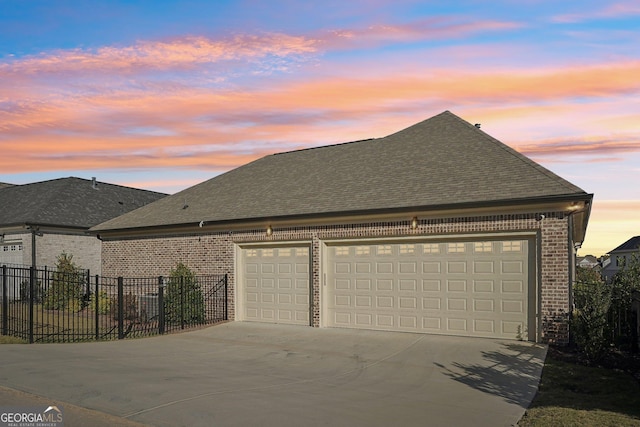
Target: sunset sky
(162, 95)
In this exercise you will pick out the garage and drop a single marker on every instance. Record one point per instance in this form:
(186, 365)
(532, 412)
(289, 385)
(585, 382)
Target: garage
(459, 287)
(275, 284)
(11, 253)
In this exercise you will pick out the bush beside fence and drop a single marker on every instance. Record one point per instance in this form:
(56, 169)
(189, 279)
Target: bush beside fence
(41, 305)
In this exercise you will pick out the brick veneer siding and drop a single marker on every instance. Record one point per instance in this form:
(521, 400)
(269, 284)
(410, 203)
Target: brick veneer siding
(86, 250)
(214, 254)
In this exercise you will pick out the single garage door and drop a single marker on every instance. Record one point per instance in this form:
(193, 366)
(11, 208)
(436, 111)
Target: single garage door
(276, 285)
(11, 253)
(470, 288)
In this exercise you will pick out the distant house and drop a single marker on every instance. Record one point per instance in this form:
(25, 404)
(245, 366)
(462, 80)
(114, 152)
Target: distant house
(621, 256)
(588, 261)
(438, 228)
(55, 216)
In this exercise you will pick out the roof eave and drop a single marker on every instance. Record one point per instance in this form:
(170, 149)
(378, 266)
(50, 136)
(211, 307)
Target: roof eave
(565, 202)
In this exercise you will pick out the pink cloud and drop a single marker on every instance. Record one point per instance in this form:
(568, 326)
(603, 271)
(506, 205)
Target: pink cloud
(181, 53)
(616, 10)
(604, 147)
(428, 29)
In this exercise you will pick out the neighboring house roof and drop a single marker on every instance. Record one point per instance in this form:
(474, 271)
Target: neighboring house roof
(69, 202)
(633, 244)
(441, 162)
(5, 185)
(587, 260)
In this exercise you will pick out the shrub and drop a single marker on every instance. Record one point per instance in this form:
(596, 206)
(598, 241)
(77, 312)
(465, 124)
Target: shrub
(183, 301)
(623, 284)
(37, 291)
(104, 302)
(65, 292)
(589, 322)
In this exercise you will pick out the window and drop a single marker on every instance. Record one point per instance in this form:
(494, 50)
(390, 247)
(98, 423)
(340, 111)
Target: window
(384, 250)
(251, 253)
(406, 249)
(302, 251)
(512, 246)
(267, 252)
(362, 250)
(455, 248)
(342, 251)
(431, 248)
(284, 252)
(483, 247)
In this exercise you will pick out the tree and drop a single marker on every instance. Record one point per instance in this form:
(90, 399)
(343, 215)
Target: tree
(623, 284)
(183, 301)
(589, 321)
(65, 292)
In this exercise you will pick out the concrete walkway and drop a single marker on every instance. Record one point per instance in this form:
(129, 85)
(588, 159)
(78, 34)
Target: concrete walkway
(246, 374)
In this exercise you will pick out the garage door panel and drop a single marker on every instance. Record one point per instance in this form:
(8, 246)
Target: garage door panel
(462, 288)
(384, 302)
(484, 326)
(383, 285)
(276, 285)
(480, 286)
(483, 267)
(433, 267)
(431, 304)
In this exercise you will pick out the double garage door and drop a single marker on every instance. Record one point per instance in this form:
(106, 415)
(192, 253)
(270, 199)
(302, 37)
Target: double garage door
(469, 288)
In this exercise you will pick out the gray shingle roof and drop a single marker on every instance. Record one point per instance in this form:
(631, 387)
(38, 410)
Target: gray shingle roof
(633, 244)
(69, 202)
(442, 161)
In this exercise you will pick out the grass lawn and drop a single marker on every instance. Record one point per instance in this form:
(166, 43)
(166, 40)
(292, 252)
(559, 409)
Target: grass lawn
(572, 394)
(11, 340)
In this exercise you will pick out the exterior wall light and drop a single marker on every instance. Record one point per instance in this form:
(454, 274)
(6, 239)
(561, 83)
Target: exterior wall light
(269, 230)
(414, 222)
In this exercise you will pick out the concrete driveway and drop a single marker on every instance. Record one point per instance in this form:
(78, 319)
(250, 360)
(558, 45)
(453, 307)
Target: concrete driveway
(249, 374)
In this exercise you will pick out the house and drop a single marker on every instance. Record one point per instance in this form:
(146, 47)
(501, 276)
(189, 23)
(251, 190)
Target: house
(41, 220)
(438, 228)
(587, 261)
(620, 256)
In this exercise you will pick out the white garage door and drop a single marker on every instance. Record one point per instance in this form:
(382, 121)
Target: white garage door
(473, 288)
(11, 253)
(276, 285)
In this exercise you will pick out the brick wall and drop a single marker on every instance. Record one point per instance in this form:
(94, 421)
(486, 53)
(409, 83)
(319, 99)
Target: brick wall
(86, 250)
(214, 254)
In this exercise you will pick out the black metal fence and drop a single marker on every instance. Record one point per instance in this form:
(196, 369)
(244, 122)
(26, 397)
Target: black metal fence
(41, 305)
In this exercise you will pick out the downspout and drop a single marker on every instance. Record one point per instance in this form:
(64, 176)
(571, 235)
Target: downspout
(573, 251)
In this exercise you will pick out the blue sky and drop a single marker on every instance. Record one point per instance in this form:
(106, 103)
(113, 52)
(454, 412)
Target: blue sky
(163, 95)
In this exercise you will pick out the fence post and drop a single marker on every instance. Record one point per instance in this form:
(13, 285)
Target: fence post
(120, 308)
(181, 302)
(32, 280)
(88, 294)
(226, 302)
(97, 307)
(160, 306)
(5, 302)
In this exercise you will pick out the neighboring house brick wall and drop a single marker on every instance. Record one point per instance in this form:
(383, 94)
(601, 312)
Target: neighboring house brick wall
(86, 250)
(214, 254)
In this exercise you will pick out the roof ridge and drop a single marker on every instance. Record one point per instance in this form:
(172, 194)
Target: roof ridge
(322, 146)
(515, 153)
